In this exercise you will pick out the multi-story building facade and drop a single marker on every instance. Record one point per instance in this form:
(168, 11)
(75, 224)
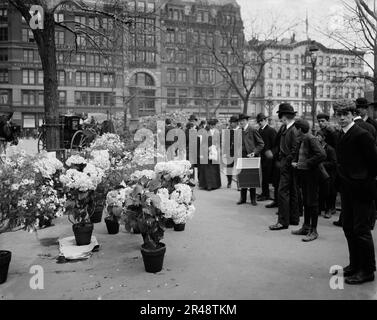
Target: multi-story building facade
(89, 80)
(189, 80)
(157, 65)
(288, 77)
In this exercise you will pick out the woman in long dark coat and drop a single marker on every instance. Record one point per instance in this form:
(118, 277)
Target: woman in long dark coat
(209, 171)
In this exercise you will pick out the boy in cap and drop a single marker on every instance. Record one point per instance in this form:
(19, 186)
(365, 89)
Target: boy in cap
(307, 160)
(357, 171)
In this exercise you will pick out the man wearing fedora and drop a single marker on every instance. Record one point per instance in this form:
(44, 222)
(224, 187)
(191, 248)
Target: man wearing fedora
(288, 195)
(360, 112)
(357, 171)
(252, 145)
(268, 135)
(363, 105)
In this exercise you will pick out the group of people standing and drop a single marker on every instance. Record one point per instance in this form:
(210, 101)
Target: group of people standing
(307, 169)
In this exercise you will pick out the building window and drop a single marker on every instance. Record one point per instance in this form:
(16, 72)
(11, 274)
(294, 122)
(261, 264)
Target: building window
(150, 7)
(297, 88)
(328, 92)
(269, 90)
(27, 35)
(58, 17)
(94, 79)
(40, 77)
(181, 37)
(28, 97)
(234, 99)
(4, 54)
(320, 91)
(288, 58)
(345, 62)
(287, 90)
(297, 58)
(170, 96)
(3, 34)
(278, 89)
(80, 58)
(59, 37)
(61, 78)
(202, 38)
(328, 61)
(270, 73)
(40, 99)
(81, 41)
(62, 98)
(4, 76)
(182, 95)
(108, 79)
(171, 75)
(81, 21)
(28, 55)
(3, 15)
(28, 76)
(320, 60)
(81, 78)
(93, 22)
(182, 75)
(288, 74)
(140, 6)
(4, 96)
(279, 73)
(170, 36)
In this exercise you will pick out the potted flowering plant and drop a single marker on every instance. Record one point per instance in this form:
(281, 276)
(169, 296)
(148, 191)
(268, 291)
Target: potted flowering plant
(80, 181)
(27, 198)
(114, 204)
(177, 205)
(170, 174)
(143, 212)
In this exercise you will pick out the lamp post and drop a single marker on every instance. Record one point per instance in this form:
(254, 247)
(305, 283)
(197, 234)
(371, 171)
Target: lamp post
(312, 50)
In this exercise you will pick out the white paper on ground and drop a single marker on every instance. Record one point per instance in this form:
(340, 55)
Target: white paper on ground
(70, 251)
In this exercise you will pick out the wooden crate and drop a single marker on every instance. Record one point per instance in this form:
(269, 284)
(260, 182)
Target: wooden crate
(249, 172)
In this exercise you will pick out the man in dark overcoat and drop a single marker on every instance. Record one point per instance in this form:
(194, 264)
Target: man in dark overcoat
(268, 135)
(357, 170)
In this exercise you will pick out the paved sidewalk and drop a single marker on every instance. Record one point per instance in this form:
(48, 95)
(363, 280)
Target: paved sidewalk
(226, 252)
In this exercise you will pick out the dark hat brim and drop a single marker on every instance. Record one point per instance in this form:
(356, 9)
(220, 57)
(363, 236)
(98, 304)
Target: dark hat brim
(286, 111)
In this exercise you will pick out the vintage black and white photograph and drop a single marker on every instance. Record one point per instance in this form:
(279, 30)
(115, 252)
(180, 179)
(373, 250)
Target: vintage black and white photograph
(188, 150)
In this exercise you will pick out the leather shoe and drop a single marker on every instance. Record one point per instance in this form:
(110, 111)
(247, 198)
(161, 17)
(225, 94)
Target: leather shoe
(360, 277)
(347, 271)
(310, 236)
(337, 223)
(278, 226)
(327, 214)
(241, 202)
(273, 204)
(301, 232)
(262, 198)
(253, 202)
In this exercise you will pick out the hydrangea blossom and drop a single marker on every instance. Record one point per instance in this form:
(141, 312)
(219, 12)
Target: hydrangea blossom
(100, 159)
(174, 168)
(182, 194)
(75, 159)
(137, 175)
(47, 166)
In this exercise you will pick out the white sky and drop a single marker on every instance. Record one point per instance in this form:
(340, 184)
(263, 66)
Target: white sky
(289, 12)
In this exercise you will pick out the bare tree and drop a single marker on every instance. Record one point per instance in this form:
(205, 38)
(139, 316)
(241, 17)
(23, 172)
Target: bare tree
(45, 40)
(242, 63)
(356, 31)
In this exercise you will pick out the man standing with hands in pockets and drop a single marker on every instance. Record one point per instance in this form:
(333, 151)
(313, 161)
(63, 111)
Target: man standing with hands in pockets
(252, 145)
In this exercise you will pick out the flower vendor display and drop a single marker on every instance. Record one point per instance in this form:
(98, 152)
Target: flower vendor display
(28, 199)
(80, 181)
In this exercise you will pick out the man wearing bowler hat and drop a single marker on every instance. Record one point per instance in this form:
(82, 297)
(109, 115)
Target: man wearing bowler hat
(288, 196)
(252, 145)
(268, 135)
(357, 170)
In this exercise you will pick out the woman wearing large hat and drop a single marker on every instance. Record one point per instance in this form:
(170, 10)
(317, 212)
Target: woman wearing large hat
(209, 171)
(233, 125)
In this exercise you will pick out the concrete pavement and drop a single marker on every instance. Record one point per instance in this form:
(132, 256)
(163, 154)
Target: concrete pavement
(226, 252)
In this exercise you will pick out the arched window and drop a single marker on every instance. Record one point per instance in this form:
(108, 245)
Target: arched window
(288, 74)
(142, 79)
